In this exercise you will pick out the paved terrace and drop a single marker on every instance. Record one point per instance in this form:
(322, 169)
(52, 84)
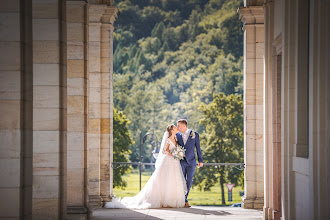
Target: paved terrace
(193, 213)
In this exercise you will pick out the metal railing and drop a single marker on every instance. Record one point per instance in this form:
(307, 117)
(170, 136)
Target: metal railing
(239, 166)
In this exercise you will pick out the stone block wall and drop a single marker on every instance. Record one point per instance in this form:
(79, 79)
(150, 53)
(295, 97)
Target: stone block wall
(49, 109)
(77, 97)
(295, 104)
(16, 109)
(55, 108)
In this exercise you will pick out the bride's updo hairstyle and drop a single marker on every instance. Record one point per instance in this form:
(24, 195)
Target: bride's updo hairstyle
(169, 129)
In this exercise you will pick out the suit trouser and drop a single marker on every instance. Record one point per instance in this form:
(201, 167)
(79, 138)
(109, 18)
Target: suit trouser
(188, 173)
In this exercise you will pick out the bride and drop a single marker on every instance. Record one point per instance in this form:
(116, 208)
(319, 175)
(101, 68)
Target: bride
(166, 187)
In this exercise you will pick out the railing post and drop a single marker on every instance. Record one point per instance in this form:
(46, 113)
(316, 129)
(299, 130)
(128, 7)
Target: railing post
(140, 165)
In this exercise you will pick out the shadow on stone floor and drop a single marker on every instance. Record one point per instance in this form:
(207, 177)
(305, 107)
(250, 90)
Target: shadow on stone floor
(201, 211)
(193, 213)
(103, 214)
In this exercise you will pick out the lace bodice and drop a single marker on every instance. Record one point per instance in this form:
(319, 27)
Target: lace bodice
(169, 146)
(172, 145)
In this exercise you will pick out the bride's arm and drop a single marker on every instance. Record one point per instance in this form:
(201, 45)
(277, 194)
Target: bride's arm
(166, 149)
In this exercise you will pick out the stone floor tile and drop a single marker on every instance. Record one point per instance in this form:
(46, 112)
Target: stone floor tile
(193, 213)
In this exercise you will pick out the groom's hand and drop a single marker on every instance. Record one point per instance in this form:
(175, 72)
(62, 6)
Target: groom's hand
(200, 164)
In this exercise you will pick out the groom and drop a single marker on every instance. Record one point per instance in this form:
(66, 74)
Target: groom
(189, 140)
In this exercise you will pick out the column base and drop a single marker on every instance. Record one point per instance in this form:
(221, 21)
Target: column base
(277, 215)
(268, 213)
(265, 212)
(252, 203)
(105, 199)
(77, 213)
(95, 201)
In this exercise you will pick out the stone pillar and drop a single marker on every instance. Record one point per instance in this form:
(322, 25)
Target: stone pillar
(272, 124)
(106, 106)
(101, 18)
(49, 109)
(253, 19)
(16, 112)
(276, 125)
(77, 48)
(269, 110)
(94, 97)
(325, 203)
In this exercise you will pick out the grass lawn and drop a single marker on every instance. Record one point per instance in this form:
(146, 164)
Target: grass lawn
(195, 197)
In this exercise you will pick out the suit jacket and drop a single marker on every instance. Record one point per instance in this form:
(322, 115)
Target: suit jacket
(191, 144)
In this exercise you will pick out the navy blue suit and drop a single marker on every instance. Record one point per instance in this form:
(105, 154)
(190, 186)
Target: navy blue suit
(188, 164)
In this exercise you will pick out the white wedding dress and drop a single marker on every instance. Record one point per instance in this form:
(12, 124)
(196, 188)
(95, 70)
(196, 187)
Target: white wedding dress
(165, 188)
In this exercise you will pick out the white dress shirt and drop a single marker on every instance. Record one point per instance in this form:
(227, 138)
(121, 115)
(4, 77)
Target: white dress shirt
(185, 136)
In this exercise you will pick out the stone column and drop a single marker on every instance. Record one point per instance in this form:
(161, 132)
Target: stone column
(276, 123)
(49, 109)
(253, 19)
(269, 110)
(94, 116)
(16, 113)
(77, 30)
(272, 92)
(106, 107)
(101, 20)
(325, 207)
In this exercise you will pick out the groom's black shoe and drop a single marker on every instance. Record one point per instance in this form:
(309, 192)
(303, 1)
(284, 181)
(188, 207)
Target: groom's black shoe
(186, 205)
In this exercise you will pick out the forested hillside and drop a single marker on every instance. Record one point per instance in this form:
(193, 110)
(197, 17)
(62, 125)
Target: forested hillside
(170, 56)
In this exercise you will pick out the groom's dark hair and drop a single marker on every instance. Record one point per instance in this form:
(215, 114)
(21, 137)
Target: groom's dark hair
(183, 121)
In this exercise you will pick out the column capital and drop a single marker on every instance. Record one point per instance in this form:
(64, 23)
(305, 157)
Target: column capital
(248, 3)
(268, 2)
(101, 2)
(268, 5)
(251, 15)
(75, 2)
(110, 15)
(103, 14)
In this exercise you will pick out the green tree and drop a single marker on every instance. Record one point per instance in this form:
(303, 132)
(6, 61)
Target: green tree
(158, 30)
(121, 143)
(223, 141)
(169, 57)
